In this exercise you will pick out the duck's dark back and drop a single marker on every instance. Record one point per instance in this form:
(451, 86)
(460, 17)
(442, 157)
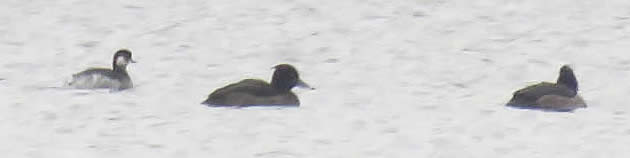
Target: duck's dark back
(529, 95)
(250, 92)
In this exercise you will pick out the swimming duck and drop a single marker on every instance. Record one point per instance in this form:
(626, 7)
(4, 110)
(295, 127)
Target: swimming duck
(97, 78)
(559, 96)
(254, 92)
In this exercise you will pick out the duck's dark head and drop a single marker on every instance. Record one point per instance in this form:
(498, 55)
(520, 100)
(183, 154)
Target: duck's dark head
(567, 78)
(121, 59)
(286, 77)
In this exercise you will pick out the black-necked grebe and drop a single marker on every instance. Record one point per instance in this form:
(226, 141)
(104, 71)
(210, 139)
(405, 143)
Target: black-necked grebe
(115, 79)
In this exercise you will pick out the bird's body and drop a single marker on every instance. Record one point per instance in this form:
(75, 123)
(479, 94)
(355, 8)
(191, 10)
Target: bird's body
(251, 92)
(97, 78)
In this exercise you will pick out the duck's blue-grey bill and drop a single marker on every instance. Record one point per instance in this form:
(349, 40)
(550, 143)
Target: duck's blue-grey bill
(303, 84)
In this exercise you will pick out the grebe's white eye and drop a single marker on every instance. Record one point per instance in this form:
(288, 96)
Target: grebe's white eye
(121, 61)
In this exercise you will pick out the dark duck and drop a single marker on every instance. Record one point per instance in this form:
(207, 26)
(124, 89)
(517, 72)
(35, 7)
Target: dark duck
(255, 92)
(559, 96)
